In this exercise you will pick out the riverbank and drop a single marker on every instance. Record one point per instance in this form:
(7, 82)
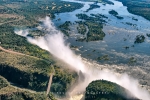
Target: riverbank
(138, 7)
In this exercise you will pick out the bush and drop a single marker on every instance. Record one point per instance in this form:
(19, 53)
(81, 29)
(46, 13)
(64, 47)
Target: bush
(139, 39)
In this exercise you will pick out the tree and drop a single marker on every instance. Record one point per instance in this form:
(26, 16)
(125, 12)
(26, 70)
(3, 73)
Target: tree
(106, 90)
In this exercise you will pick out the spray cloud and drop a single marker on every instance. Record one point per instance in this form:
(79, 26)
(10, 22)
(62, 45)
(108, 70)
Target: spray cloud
(54, 42)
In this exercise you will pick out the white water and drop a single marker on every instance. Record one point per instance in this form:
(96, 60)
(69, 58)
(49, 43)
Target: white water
(54, 42)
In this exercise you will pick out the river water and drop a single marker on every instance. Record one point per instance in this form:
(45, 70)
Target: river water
(118, 35)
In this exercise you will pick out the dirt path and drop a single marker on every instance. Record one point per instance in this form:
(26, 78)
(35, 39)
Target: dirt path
(20, 18)
(13, 52)
(9, 51)
(18, 53)
(49, 84)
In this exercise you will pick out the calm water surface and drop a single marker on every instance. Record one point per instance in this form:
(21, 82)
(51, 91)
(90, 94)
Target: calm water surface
(116, 31)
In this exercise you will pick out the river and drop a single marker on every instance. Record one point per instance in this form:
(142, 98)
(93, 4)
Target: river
(118, 35)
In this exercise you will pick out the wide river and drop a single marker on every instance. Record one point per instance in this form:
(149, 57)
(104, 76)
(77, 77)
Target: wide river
(118, 35)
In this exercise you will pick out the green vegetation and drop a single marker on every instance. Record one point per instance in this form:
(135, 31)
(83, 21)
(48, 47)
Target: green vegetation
(3, 20)
(10, 40)
(105, 57)
(62, 80)
(32, 73)
(23, 95)
(126, 47)
(92, 6)
(81, 27)
(26, 14)
(134, 19)
(52, 70)
(29, 66)
(3, 82)
(132, 60)
(107, 2)
(138, 7)
(35, 81)
(139, 39)
(9, 92)
(114, 13)
(148, 35)
(99, 16)
(65, 27)
(30, 11)
(131, 24)
(95, 31)
(95, 26)
(106, 90)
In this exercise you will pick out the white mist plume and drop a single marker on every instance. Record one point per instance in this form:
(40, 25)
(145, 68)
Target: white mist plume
(54, 43)
(23, 33)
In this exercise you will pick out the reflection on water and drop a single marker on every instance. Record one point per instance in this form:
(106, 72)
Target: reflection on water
(119, 35)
